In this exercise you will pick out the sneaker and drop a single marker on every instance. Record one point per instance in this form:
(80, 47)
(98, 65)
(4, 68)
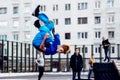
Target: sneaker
(36, 12)
(37, 24)
(108, 59)
(104, 60)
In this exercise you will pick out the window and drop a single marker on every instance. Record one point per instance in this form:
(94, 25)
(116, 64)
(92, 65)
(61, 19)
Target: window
(98, 34)
(67, 7)
(82, 6)
(55, 21)
(67, 21)
(15, 22)
(15, 36)
(79, 35)
(82, 35)
(55, 7)
(97, 49)
(85, 49)
(110, 19)
(3, 10)
(27, 8)
(110, 3)
(3, 37)
(82, 20)
(27, 23)
(5, 52)
(15, 10)
(67, 36)
(28, 50)
(86, 35)
(111, 34)
(97, 4)
(112, 49)
(42, 8)
(97, 20)
(27, 35)
(14, 48)
(3, 23)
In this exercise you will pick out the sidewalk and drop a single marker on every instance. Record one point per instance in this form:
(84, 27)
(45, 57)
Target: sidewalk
(36, 73)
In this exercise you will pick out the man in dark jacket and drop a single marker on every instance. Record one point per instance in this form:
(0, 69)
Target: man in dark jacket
(76, 64)
(105, 44)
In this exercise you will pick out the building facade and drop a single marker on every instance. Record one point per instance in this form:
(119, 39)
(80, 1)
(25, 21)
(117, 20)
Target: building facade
(79, 22)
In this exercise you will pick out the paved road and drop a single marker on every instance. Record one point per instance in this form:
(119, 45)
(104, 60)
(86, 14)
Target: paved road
(45, 77)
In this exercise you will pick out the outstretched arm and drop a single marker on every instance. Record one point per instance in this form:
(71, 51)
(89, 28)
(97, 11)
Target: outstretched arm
(42, 46)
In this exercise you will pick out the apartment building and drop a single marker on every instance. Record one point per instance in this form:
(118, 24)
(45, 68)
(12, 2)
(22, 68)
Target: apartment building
(79, 22)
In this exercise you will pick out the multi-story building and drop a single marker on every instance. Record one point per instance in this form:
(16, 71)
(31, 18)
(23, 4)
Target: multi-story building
(79, 22)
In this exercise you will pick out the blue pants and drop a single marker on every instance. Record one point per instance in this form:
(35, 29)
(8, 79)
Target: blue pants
(89, 73)
(106, 53)
(44, 18)
(78, 75)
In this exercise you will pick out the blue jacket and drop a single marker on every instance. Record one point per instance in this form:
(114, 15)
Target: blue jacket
(40, 36)
(53, 46)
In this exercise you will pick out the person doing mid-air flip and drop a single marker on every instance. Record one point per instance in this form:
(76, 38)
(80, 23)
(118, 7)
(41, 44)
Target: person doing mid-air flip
(46, 40)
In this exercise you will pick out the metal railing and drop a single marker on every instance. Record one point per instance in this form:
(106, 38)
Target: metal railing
(20, 57)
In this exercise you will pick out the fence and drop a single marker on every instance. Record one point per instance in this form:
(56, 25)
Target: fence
(20, 57)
